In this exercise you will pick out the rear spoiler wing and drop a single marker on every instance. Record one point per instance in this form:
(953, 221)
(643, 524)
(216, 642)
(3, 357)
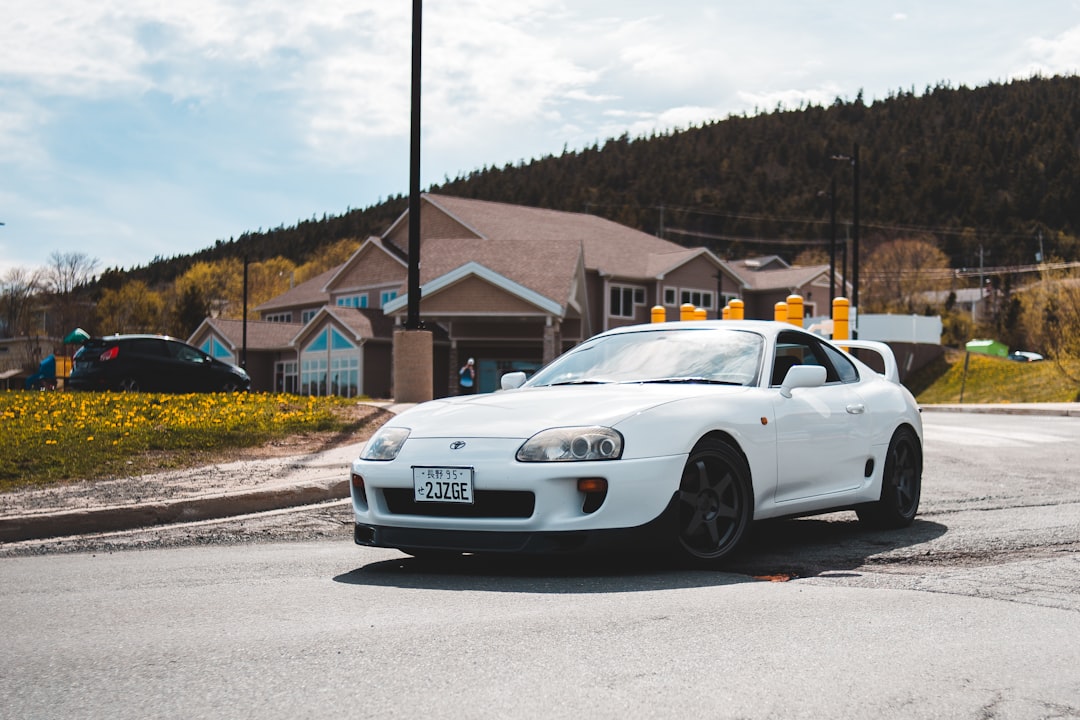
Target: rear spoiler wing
(892, 372)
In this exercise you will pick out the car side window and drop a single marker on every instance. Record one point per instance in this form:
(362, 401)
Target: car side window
(844, 367)
(146, 346)
(185, 353)
(799, 349)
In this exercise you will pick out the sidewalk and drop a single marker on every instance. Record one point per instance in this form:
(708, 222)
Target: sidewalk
(1048, 409)
(243, 487)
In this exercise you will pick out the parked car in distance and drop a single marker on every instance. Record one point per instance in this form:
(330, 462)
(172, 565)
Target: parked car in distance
(1024, 356)
(154, 363)
(669, 436)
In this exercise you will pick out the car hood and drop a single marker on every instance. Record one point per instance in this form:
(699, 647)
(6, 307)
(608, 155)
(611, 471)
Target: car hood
(521, 413)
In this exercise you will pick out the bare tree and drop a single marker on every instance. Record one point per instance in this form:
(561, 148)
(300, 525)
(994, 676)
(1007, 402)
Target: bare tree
(19, 290)
(900, 273)
(67, 278)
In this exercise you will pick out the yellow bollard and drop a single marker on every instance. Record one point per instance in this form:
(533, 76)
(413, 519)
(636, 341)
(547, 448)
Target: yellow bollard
(659, 314)
(725, 314)
(780, 312)
(795, 310)
(700, 314)
(686, 311)
(841, 311)
(737, 309)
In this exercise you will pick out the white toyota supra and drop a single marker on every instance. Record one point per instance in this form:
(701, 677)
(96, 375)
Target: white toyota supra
(662, 436)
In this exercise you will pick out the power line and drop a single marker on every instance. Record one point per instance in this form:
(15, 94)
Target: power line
(747, 240)
(774, 219)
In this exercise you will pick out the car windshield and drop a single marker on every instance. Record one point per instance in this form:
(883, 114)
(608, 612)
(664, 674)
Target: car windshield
(729, 357)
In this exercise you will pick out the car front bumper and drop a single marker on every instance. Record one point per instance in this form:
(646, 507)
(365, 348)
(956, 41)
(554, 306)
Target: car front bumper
(518, 507)
(657, 534)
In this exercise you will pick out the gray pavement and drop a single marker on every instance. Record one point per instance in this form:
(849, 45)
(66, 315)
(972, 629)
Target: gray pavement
(248, 486)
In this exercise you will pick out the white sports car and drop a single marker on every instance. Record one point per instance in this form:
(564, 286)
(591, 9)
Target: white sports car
(669, 435)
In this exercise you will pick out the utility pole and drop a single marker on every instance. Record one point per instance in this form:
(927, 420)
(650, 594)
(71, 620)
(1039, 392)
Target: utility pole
(853, 159)
(413, 321)
(832, 241)
(243, 342)
(855, 240)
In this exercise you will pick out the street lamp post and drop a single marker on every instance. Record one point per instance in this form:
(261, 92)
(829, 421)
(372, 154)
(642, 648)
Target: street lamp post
(853, 159)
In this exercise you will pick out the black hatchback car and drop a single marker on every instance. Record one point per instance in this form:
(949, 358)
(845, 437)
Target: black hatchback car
(155, 363)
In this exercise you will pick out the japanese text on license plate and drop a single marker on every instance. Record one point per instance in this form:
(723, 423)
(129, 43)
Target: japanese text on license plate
(443, 484)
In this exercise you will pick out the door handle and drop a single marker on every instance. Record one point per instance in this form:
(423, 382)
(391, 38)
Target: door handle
(856, 409)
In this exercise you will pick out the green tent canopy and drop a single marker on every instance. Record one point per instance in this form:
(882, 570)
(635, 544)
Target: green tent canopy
(76, 337)
(988, 347)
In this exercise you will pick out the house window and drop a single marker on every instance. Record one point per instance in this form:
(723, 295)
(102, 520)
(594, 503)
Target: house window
(214, 348)
(285, 376)
(671, 296)
(283, 317)
(624, 299)
(330, 365)
(386, 296)
(356, 301)
(697, 298)
(306, 316)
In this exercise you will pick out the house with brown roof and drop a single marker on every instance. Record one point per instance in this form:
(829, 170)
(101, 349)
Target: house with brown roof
(508, 285)
(768, 280)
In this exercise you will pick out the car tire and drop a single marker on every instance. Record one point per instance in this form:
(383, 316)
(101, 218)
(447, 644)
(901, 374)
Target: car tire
(230, 386)
(901, 484)
(128, 384)
(715, 503)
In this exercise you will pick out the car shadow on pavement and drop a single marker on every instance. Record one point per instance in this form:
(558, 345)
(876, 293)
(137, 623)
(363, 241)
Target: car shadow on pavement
(774, 551)
(808, 547)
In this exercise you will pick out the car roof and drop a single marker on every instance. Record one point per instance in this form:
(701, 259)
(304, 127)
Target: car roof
(768, 328)
(137, 336)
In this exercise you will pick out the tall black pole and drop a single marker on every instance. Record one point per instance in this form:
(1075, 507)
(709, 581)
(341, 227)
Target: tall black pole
(243, 342)
(413, 321)
(832, 242)
(855, 241)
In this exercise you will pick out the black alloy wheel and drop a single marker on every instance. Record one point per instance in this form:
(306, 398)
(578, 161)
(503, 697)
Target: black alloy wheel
(715, 503)
(901, 484)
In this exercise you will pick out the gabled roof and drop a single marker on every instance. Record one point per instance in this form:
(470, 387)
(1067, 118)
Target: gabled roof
(307, 294)
(770, 272)
(536, 248)
(261, 335)
(760, 264)
(610, 248)
(363, 323)
(476, 269)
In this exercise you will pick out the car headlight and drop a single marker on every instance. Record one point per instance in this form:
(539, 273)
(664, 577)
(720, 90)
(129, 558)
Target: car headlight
(385, 444)
(571, 445)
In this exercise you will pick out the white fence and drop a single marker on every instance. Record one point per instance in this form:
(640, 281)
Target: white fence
(887, 328)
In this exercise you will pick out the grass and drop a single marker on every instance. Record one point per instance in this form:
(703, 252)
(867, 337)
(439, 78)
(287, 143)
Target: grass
(56, 436)
(995, 380)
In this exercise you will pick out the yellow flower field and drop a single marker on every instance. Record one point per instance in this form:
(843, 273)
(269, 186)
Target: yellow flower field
(47, 436)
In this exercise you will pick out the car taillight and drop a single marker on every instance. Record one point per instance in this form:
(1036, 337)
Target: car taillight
(110, 354)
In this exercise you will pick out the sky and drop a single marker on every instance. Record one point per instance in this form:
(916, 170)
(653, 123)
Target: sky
(136, 129)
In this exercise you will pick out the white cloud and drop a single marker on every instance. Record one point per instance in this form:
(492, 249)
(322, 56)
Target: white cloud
(1058, 55)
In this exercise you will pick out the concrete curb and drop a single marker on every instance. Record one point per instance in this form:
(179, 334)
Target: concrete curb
(131, 517)
(1044, 409)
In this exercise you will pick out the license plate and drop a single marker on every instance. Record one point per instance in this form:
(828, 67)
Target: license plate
(443, 484)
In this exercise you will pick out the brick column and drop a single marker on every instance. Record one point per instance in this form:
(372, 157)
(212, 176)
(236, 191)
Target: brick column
(413, 366)
(552, 340)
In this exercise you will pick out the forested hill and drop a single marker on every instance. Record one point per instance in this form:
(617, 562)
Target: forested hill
(992, 167)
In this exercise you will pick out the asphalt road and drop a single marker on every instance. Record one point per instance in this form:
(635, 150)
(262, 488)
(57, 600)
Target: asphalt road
(973, 612)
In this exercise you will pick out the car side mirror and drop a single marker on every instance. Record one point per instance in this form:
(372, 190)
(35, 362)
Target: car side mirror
(512, 380)
(802, 376)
